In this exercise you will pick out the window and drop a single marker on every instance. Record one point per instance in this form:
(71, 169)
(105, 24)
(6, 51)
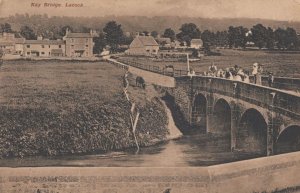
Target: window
(49, 46)
(153, 50)
(28, 46)
(43, 53)
(28, 53)
(59, 46)
(86, 45)
(49, 53)
(72, 46)
(43, 46)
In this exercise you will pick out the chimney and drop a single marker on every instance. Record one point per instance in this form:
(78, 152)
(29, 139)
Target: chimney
(40, 37)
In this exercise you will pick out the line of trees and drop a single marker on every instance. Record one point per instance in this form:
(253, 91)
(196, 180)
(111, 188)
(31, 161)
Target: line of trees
(113, 36)
(240, 37)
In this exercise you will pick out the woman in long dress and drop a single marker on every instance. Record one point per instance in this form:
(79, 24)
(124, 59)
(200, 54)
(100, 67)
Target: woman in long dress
(258, 75)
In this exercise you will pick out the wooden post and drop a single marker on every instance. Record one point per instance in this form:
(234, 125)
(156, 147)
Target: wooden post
(188, 62)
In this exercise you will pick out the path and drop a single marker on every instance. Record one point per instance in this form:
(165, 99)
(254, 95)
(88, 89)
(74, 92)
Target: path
(149, 77)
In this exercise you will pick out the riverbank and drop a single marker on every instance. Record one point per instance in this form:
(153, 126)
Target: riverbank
(55, 108)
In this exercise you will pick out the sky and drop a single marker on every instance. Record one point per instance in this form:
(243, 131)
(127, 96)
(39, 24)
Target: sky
(285, 10)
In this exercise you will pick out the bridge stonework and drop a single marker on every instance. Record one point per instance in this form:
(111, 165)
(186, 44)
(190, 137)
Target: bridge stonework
(256, 115)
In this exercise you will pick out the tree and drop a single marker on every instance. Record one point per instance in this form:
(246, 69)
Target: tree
(270, 38)
(169, 33)
(241, 39)
(188, 32)
(208, 38)
(154, 34)
(113, 34)
(260, 35)
(221, 38)
(231, 36)
(62, 31)
(27, 33)
(100, 43)
(1, 55)
(292, 39)
(6, 27)
(281, 38)
(237, 36)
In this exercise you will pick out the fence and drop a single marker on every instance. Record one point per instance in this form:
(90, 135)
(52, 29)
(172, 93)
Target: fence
(154, 68)
(283, 83)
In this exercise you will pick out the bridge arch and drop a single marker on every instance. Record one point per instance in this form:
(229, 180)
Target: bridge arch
(199, 112)
(288, 140)
(252, 132)
(221, 122)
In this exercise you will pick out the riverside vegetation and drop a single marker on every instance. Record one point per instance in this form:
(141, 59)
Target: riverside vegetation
(53, 108)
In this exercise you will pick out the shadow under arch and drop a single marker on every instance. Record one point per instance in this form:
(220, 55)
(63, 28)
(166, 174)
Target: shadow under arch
(252, 133)
(199, 113)
(221, 122)
(288, 140)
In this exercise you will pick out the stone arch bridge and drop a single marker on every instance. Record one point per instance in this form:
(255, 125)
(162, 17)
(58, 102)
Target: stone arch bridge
(254, 118)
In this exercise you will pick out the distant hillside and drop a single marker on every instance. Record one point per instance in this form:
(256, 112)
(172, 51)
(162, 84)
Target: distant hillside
(139, 23)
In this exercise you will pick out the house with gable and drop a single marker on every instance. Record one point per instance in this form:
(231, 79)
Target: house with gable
(143, 45)
(196, 43)
(79, 44)
(7, 42)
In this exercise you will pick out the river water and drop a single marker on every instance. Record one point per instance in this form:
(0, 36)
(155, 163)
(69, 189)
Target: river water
(180, 151)
(193, 150)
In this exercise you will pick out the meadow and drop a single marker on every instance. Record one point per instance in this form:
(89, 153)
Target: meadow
(56, 107)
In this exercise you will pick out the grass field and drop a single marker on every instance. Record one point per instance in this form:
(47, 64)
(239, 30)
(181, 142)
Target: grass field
(51, 107)
(280, 63)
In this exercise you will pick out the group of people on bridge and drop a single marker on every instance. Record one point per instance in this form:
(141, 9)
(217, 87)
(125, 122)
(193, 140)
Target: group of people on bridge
(232, 73)
(239, 74)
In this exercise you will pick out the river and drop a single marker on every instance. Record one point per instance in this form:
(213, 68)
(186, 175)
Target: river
(180, 151)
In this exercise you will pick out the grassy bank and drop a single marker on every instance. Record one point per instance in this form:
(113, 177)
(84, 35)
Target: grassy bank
(55, 108)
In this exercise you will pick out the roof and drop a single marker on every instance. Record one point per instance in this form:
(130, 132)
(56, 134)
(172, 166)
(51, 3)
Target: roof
(147, 40)
(196, 41)
(79, 35)
(57, 51)
(47, 42)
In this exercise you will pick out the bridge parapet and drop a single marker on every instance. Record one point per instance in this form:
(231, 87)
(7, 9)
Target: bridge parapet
(282, 101)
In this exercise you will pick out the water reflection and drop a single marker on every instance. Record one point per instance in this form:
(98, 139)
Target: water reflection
(190, 150)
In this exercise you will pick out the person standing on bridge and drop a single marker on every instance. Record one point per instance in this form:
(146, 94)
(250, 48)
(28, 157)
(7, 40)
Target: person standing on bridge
(255, 71)
(258, 75)
(191, 72)
(270, 79)
(213, 70)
